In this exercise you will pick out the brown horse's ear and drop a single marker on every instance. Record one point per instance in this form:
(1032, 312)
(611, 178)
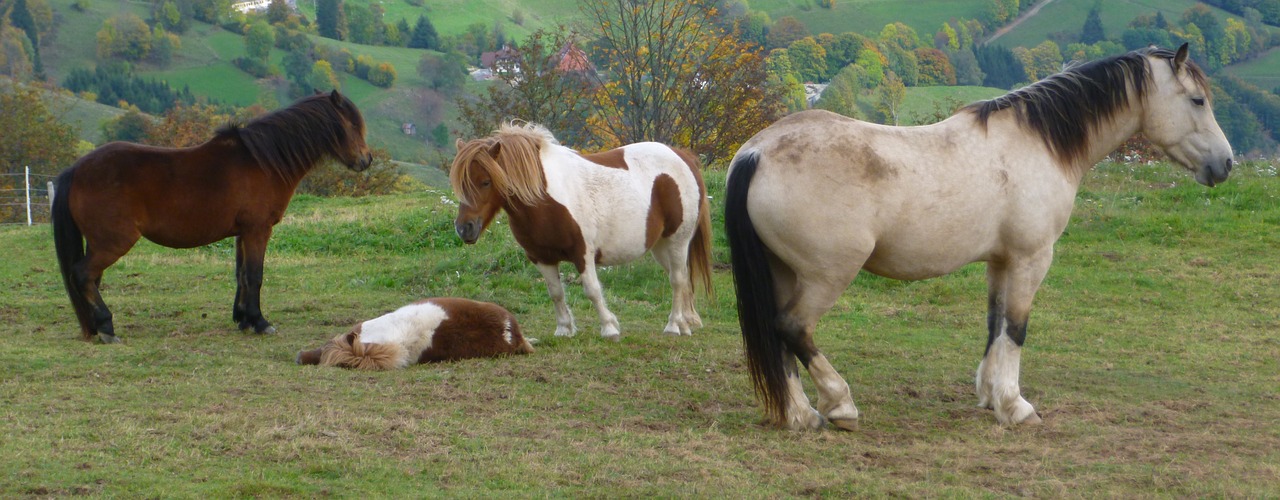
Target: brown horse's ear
(315, 91)
(1180, 58)
(335, 97)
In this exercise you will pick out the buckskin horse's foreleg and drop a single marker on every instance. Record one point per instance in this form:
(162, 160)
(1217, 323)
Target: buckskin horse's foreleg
(1011, 286)
(253, 244)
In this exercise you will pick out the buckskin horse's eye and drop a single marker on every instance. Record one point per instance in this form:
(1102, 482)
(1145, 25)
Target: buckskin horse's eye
(1198, 101)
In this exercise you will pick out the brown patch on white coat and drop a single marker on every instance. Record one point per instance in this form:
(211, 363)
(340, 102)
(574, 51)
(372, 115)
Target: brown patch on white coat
(431, 330)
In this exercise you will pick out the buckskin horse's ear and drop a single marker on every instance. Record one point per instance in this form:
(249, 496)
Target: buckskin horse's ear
(1180, 58)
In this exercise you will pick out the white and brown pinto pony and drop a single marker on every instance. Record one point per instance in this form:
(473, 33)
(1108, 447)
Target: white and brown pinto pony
(427, 331)
(591, 210)
(816, 197)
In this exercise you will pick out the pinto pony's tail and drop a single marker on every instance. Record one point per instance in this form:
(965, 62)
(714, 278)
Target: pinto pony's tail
(347, 351)
(700, 245)
(68, 241)
(757, 303)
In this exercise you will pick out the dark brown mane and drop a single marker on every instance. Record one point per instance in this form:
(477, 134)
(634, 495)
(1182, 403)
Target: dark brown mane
(288, 142)
(1063, 109)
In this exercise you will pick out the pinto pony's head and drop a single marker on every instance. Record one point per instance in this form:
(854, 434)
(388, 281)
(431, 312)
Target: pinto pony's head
(495, 172)
(346, 351)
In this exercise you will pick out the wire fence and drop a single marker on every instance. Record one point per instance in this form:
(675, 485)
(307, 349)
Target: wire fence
(25, 197)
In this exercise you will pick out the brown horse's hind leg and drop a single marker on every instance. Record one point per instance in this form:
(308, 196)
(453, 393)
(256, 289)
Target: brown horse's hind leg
(98, 257)
(254, 248)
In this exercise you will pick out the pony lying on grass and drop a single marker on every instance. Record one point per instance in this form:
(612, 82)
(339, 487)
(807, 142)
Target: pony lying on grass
(427, 331)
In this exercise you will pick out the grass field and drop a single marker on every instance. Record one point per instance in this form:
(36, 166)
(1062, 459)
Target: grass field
(1152, 357)
(868, 17)
(1068, 15)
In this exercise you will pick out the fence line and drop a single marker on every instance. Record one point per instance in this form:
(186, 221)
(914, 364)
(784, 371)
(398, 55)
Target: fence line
(32, 195)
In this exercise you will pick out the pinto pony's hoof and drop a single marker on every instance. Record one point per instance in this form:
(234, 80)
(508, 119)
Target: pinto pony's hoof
(107, 338)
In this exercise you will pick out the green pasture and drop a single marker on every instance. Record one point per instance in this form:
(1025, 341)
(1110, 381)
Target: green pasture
(923, 104)
(1068, 15)
(1152, 357)
(1262, 71)
(453, 17)
(868, 17)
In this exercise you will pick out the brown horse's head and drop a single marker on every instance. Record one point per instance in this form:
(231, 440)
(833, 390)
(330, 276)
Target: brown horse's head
(354, 153)
(493, 172)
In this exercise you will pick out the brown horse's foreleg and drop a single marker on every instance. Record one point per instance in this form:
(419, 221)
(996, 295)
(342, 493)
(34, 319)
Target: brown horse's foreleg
(254, 246)
(237, 307)
(1010, 289)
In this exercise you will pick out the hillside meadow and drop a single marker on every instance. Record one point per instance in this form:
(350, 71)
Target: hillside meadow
(1153, 358)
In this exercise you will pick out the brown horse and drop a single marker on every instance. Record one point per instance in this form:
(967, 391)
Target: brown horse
(236, 184)
(427, 331)
(599, 209)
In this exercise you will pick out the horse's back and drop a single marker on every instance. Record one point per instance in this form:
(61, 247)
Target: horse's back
(910, 202)
(626, 200)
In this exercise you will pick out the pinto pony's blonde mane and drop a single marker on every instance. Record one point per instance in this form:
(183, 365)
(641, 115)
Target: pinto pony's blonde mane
(511, 157)
(1066, 108)
(347, 351)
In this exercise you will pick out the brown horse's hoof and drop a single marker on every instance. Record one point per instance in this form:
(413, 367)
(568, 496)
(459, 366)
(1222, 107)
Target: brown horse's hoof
(107, 338)
(845, 424)
(269, 330)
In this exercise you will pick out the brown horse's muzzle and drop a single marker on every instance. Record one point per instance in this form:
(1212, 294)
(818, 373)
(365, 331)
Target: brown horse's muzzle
(363, 163)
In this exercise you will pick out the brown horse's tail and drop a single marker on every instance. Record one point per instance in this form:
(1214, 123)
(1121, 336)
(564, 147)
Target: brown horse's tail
(766, 351)
(68, 241)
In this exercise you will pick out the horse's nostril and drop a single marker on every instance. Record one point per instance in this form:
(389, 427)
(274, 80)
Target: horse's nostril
(1229, 162)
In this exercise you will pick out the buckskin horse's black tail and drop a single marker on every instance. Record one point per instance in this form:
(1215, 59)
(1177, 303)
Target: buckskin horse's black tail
(69, 243)
(757, 302)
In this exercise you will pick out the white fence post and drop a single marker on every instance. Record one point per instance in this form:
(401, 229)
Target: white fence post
(28, 190)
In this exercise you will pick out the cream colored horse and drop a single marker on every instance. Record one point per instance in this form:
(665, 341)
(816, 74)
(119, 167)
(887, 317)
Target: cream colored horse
(816, 197)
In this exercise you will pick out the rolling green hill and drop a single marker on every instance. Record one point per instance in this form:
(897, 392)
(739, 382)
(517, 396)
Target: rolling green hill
(204, 61)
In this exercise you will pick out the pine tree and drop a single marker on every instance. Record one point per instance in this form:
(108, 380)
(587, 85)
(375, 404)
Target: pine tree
(1092, 31)
(424, 35)
(331, 20)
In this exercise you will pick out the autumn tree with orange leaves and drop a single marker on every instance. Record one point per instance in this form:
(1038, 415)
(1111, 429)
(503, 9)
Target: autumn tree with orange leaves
(676, 77)
(668, 74)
